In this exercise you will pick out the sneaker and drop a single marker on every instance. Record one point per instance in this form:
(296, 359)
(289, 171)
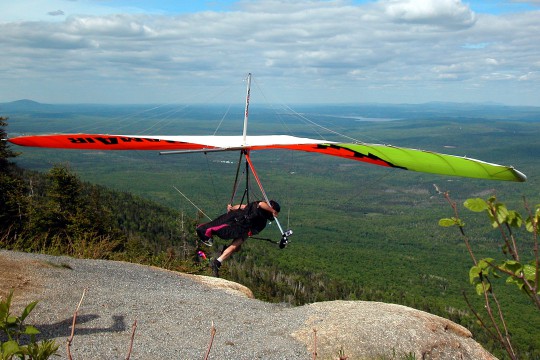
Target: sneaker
(215, 264)
(208, 242)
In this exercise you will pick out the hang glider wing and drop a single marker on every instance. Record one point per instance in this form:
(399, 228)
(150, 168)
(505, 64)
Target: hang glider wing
(382, 155)
(416, 160)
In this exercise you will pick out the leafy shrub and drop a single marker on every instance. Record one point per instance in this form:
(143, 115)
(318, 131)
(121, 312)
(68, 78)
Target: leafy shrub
(14, 329)
(518, 270)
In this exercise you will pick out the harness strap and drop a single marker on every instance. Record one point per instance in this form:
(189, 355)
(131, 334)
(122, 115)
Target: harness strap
(237, 183)
(235, 186)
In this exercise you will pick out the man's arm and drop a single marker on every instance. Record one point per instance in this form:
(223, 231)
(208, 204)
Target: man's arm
(235, 207)
(263, 205)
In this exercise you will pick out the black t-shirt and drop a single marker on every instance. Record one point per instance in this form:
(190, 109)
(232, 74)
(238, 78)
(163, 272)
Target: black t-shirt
(256, 218)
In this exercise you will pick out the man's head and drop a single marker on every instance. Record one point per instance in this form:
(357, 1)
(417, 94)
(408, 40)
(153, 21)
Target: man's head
(270, 214)
(275, 205)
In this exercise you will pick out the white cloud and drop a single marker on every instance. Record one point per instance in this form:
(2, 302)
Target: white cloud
(439, 13)
(530, 76)
(305, 50)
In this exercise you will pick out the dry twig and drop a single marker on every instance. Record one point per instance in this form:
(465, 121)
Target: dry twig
(133, 328)
(314, 344)
(212, 335)
(70, 339)
(342, 355)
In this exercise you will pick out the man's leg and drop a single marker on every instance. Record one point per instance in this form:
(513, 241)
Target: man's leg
(234, 247)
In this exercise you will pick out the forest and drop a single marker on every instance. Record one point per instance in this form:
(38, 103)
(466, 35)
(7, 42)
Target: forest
(360, 233)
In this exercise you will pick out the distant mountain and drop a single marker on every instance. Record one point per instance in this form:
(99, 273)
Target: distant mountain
(23, 105)
(25, 102)
(430, 110)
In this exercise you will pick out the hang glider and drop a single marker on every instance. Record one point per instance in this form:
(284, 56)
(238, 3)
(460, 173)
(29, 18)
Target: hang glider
(377, 154)
(383, 155)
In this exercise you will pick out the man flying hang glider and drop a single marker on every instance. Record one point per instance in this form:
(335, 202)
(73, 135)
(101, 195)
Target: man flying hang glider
(240, 222)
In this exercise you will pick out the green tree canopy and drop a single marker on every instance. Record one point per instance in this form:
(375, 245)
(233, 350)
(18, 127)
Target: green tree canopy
(5, 151)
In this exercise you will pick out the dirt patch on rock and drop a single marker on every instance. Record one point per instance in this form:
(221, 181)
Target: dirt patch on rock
(22, 276)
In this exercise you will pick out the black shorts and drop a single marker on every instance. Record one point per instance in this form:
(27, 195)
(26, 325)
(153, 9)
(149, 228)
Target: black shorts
(226, 226)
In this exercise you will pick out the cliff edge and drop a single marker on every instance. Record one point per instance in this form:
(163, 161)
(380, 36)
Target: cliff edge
(174, 313)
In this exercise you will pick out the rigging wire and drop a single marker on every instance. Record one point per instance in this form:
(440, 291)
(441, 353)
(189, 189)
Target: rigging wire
(211, 98)
(99, 123)
(164, 114)
(322, 127)
(319, 128)
(316, 127)
(283, 123)
(211, 177)
(162, 123)
(191, 202)
(222, 118)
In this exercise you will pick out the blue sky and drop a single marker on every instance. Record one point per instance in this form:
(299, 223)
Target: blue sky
(190, 6)
(187, 6)
(396, 51)
(172, 6)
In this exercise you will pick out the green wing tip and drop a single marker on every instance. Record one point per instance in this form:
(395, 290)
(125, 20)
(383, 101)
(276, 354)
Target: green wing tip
(521, 177)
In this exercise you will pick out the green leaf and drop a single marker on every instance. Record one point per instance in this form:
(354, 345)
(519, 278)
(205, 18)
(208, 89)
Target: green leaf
(474, 273)
(12, 320)
(447, 222)
(10, 347)
(480, 288)
(529, 225)
(492, 199)
(476, 205)
(513, 280)
(27, 310)
(531, 220)
(43, 350)
(514, 219)
(512, 266)
(501, 213)
(484, 264)
(31, 330)
(529, 271)
(5, 305)
(3, 310)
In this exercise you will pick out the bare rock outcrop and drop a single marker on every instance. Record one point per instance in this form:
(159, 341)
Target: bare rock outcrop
(174, 314)
(367, 330)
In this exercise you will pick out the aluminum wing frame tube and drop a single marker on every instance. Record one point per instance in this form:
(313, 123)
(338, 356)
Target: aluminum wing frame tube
(246, 112)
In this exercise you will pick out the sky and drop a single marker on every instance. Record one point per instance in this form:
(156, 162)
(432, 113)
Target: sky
(304, 51)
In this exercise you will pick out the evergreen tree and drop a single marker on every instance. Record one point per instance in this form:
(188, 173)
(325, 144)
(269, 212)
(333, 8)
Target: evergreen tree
(68, 210)
(13, 205)
(12, 190)
(63, 197)
(74, 214)
(5, 151)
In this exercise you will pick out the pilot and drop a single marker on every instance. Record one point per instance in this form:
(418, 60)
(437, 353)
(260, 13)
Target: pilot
(240, 222)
